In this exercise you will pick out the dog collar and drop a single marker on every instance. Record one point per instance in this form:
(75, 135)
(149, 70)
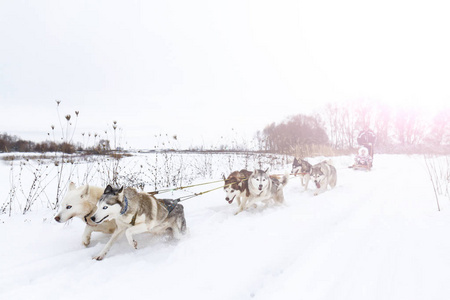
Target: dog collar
(125, 208)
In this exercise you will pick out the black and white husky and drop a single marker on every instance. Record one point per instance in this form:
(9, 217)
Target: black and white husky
(264, 188)
(137, 212)
(324, 174)
(303, 169)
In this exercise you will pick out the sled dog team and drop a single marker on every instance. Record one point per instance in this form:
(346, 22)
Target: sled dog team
(119, 211)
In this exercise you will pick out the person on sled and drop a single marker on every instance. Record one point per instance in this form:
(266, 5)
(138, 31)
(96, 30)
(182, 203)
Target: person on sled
(367, 139)
(363, 158)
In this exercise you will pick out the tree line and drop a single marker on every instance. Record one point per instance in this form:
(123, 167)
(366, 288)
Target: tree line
(338, 125)
(12, 143)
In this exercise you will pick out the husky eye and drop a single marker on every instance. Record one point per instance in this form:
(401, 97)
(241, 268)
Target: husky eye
(68, 206)
(105, 207)
(232, 191)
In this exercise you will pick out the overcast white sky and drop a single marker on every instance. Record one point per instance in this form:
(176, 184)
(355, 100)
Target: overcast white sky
(200, 68)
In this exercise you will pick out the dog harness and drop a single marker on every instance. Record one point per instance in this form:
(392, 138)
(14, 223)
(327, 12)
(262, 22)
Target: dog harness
(124, 210)
(170, 204)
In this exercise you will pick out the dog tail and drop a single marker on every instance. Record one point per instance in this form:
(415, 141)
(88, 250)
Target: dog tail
(330, 162)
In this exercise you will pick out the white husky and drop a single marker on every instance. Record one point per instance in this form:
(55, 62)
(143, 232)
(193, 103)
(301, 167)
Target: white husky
(81, 202)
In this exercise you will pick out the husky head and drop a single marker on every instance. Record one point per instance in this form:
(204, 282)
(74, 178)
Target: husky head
(75, 203)
(301, 166)
(109, 206)
(317, 175)
(231, 191)
(232, 187)
(260, 179)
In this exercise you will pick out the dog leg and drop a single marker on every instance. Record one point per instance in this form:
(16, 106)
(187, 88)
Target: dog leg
(323, 188)
(140, 228)
(242, 206)
(86, 239)
(108, 245)
(306, 183)
(181, 223)
(279, 199)
(177, 232)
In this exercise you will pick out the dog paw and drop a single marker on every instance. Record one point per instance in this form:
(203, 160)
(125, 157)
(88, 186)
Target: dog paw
(135, 244)
(99, 257)
(86, 242)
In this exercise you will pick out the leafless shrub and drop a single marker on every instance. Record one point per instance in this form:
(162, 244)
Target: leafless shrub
(438, 168)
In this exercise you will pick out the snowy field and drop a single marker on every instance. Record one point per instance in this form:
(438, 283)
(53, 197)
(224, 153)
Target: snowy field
(377, 235)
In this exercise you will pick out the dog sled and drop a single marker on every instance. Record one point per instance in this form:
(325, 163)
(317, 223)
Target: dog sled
(364, 159)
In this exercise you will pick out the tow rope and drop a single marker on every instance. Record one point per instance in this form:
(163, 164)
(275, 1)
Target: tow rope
(181, 187)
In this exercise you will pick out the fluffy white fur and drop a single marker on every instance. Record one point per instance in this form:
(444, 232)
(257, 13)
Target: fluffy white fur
(81, 202)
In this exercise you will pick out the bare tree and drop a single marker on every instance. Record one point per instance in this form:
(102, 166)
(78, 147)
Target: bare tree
(440, 128)
(410, 126)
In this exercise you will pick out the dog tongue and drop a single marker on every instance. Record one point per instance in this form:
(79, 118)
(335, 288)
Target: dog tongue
(318, 185)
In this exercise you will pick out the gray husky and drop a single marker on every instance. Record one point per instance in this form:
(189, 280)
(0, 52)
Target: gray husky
(302, 168)
(137, 212)
(264, 187)
(323, 174)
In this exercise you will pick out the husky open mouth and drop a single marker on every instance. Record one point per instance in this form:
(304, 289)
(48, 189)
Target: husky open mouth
(317, 184)
(230, 201)
(101, 220)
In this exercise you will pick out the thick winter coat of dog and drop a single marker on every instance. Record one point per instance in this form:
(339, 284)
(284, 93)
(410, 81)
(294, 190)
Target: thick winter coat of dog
(81, 202)
(324, 174)
(303, 169)
(264, 188)
(137, 212)
(236, 186)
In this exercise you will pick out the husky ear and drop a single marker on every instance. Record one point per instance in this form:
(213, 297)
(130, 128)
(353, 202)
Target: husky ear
(120, 190)
(266, 170)
(72, 186)
(86, 190)
(223, 176)
(108, 190)
(295, 160)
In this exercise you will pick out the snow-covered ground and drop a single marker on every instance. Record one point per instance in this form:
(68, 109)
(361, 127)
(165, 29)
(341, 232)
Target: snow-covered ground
(377, 235)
